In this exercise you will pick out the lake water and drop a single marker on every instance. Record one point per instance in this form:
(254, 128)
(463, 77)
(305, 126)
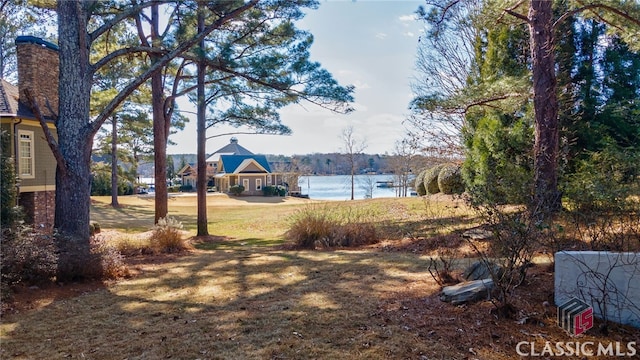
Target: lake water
(338, 187)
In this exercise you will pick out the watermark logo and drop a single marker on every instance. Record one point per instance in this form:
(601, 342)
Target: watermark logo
(575, 316)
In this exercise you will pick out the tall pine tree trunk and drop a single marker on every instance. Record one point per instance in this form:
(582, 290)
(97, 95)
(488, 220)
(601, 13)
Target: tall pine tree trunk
(546, 198)
(75, 140)
(201, 184)
(114, 162)
(160, 133)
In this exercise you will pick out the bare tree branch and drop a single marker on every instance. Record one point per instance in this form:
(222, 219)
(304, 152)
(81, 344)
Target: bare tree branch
(126, 51)
(53, 144)
(608, 8)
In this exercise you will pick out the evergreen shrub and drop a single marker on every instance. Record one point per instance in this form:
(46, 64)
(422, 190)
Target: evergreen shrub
(431, 179)
(236, 189)
(419, 183)
(450, 180)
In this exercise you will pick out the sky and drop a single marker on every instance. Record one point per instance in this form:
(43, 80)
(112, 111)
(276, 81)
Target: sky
(366, 43)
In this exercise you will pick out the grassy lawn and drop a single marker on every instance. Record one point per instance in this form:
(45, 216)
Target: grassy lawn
(247, 297)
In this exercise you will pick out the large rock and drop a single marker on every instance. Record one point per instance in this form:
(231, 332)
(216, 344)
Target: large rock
(468, 291)
(477, 234)
(482, 270)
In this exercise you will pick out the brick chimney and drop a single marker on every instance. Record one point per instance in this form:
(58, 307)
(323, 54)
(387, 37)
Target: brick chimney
(38, 68)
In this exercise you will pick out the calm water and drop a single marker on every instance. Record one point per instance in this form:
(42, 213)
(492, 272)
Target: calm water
(338, 187)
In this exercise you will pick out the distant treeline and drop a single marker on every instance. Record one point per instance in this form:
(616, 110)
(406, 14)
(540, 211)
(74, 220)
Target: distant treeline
(319, 164)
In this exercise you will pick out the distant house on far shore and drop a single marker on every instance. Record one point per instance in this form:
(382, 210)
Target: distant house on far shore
(234, 165)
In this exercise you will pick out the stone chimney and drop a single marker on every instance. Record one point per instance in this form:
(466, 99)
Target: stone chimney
(38, 68)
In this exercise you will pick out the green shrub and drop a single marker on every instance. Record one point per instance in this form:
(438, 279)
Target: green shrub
(450, 180)
(603, 182)
(125, 187)
(236, 190)
(166, 236)
(173, 189)
(282, 191)
(101, 182)
(10, 214)
(186, 188)
(498, 167)
(94, 228)
(27, 257)
(419, 183)
(431, 179)
(270, 191)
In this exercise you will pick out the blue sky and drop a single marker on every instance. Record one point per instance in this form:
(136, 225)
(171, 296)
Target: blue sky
(366, 43)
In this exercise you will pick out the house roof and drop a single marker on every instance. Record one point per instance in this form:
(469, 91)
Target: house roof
(232, 148)
(235, 163)
(8, 99)
(187, 168)
(10, 104)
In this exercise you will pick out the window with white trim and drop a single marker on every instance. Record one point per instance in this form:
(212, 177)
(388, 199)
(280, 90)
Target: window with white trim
(268, 179)
(258, 184)
(245, 184)
(26, 159)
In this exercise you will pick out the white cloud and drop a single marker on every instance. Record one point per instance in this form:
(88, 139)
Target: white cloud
(406, 19)
(409, 34)
(381, 36)
(360, 107)
(361, 85)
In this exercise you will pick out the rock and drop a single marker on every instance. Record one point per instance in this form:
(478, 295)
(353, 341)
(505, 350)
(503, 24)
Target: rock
(477, 234)
(482, 270)
(468, 291)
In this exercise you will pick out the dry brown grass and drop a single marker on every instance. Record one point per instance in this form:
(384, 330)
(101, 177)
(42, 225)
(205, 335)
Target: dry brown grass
(261, 303)
(233, 299)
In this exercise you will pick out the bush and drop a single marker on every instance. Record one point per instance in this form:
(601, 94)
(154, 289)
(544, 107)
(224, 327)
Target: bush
(282, 191)
(498, 167)
(27, 257)
(173, 189)
(450, 180)
(125, 187)
(110, 260)
(129, 246)
(602, 200)
(312, 228)
(309, 227)
(101, 182)
(10, 214)
(167, 236)
(94, 228)
(419, 183)
(352, 234)
(236, 189)
(270, 191)
(431, 179)
(186, 188)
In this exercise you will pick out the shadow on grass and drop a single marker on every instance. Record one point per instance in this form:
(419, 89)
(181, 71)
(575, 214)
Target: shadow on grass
(138, 218)
(234, 302)
(259, 199)
(257, 302)
(222, 243)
